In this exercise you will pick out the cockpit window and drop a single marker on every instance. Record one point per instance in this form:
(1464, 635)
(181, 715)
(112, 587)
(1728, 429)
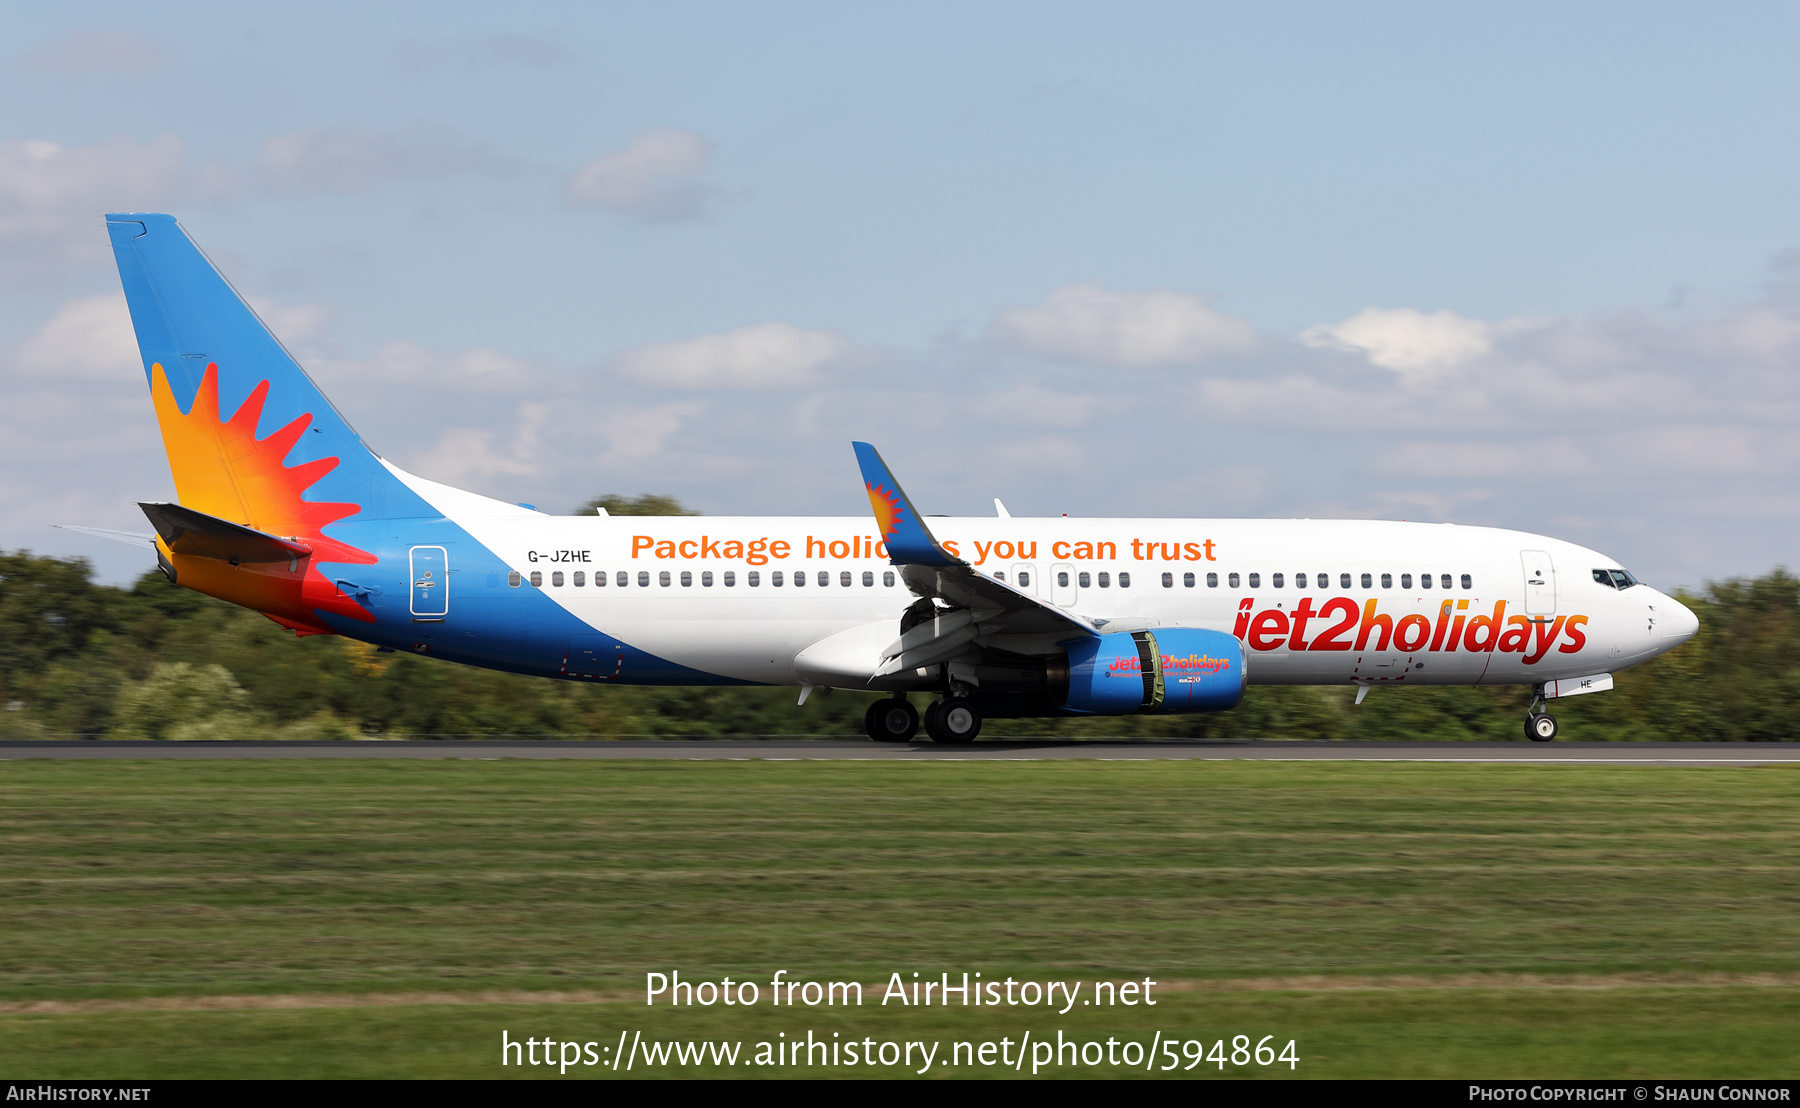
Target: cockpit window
(1603, 577)
(1614, 578)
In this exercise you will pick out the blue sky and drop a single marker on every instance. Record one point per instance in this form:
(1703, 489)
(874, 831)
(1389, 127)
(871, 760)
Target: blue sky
(1525, 265)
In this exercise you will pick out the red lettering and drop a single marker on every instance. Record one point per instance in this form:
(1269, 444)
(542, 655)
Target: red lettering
(1403, 638)
(1243, 618)
(1517, 637)
(1544, 639)
(1577, 637)
(1268, 631)
(1472, 641)
(1370, 621)
(1443, 625)
(1302, 612)
(1329, 640)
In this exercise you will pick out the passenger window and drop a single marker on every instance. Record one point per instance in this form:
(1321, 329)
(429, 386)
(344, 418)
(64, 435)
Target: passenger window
(1299, 580)
(1324, 580)
(1212, 580)
(1444, 580)
(1424, 580)
(1256, 580)
(1367, 581)
(663, 578)
(1387, 580)
(844, 579)
(1468, 582)
(1343, 580)
(1275, 580)
(1406, 580)
(1187, 580)
(599, 579)
(1062, 578)
(556, 579)
(887, 578)
(752, 579)
(799, 579)
(1105, 579)
(1083, 580)
(825, 579)
(706, 579)
(731, 579)
(1024, 579)
(1000, 575)
(643, 578)
(775, 579)
(1168, 580)
(513, 579)
(1232, 580)
(579, 580)
(622, 579)
(868, 578)
(687, 579)
(537, 579)
(1124, 580)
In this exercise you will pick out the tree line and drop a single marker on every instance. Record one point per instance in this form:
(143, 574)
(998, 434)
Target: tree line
(79, 659)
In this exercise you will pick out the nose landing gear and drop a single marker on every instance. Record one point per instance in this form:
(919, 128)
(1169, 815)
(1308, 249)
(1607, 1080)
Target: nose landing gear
(891, 721)
(1540, 726)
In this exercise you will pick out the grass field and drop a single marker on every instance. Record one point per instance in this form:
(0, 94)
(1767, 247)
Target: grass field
(392, 918)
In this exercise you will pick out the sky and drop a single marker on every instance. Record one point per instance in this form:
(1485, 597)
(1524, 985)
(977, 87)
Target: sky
(1521, 265)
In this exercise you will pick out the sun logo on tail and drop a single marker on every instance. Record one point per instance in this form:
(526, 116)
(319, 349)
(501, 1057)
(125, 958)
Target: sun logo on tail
(222, 468)
(888, 509)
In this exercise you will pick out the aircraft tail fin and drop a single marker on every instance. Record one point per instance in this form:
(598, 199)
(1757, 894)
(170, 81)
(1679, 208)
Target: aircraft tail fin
(250, 438)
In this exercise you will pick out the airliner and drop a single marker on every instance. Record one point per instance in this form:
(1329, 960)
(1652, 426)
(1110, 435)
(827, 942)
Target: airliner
(282, 508)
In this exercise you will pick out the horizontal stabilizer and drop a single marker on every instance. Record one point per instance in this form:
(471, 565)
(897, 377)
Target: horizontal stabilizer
(135, 538)
(185, 531)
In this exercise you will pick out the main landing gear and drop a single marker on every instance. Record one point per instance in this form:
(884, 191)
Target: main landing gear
(952, 720)
(891, 721)
(1540, 726)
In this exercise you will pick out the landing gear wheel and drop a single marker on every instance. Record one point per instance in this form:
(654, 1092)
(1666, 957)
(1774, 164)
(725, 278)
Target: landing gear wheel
(891, 721)
(953, 720)
(1540, 728)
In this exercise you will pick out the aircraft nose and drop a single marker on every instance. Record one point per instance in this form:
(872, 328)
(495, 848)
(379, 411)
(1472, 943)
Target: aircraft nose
(1679, 623)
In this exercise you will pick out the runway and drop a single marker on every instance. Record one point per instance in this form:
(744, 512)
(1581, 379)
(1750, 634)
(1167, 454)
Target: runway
(799, 749)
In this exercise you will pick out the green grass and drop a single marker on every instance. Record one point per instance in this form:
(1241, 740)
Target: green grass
(1672, 895)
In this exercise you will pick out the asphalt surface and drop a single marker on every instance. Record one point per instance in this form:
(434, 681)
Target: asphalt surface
(792, 749)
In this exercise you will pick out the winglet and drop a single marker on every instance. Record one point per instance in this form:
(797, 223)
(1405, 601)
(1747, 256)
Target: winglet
(903, 529)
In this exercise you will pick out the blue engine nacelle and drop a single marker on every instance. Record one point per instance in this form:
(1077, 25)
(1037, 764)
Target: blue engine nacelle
(1172, 669)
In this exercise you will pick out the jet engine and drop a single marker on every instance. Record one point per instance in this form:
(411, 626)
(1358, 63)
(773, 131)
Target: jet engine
(1172, 669)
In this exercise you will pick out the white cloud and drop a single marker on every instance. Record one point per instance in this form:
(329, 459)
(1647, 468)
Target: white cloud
(1087, 323)
(766, 356)
(88, 339)
(655, 179)
(52, 196)
(1407, 340)
(351, 160)
(95, 52)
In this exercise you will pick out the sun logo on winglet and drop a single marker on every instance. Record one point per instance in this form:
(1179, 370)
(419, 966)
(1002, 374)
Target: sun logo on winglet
(888, 509)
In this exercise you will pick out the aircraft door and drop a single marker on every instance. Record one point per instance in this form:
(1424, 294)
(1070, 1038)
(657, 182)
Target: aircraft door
(1540, 583)
(1024, 576)
(1063, 589)
(430, 582)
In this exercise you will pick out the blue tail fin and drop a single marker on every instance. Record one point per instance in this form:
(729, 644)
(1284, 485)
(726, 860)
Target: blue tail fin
(250, 438)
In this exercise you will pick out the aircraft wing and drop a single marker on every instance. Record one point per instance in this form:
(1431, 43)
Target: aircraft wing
(988, 607)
